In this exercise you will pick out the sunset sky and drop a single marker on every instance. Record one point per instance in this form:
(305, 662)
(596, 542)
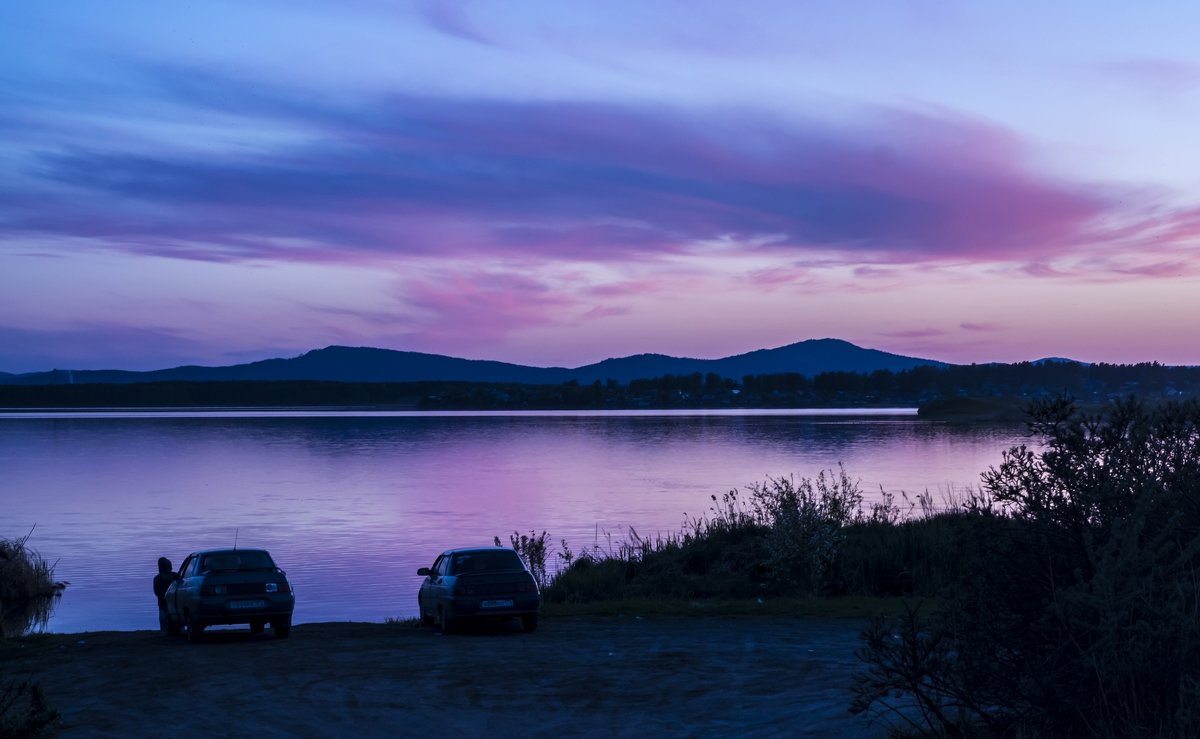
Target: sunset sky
(555, 183)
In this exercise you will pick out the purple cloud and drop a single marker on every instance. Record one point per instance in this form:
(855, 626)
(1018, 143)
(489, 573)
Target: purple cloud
(450, 17)
(975, 326)
(775, 277)
(409, 175)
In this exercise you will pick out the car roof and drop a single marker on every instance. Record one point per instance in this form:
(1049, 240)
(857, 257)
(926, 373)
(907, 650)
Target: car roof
(463, 550)
(202, 552)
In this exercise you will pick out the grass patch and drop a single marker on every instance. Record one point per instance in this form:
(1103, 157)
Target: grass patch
(407, 623)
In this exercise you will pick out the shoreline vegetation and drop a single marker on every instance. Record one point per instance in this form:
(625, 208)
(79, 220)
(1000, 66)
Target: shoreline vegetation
(28, 594)
(1058, 599)
(962, 393)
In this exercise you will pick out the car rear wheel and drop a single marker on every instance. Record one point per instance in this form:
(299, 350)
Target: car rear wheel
(195, 629)
(530, 622)
(282, 627)
(426, 619)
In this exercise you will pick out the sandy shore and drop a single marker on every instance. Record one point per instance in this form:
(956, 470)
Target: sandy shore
(616, 676)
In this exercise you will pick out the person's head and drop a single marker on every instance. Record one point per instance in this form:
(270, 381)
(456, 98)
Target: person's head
(164, 565)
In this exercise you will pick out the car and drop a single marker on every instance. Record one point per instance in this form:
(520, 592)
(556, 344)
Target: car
(478, 583)
(229, 586)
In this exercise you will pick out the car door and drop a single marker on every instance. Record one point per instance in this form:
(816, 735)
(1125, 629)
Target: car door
(173, 590)
(437, 586)
(425, 597)
(189, 584)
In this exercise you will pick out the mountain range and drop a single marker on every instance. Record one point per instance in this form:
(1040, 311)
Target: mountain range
(365, 364)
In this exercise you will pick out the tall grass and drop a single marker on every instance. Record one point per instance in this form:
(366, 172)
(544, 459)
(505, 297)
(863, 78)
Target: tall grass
(783, 537)
(28, 590)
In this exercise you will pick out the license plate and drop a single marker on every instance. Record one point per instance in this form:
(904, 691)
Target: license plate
(497, 604)
(247, 604)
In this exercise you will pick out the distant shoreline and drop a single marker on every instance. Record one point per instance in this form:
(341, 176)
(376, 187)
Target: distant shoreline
(370, 412)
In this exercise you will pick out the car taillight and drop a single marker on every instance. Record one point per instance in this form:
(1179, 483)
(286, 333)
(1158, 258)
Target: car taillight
(213, 590)
(461, 589)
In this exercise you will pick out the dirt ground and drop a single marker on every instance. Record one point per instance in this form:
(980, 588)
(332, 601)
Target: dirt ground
(612, 677)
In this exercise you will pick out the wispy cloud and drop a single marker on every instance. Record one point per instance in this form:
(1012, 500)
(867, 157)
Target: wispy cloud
(451, 18)
(976, 326)
(34, 350)
(1156, 74)
(916, 333)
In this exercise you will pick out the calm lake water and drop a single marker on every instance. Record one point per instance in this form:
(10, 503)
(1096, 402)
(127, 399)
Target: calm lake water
(351, 504)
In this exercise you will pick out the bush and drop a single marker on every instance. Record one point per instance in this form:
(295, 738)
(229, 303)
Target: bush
(1078, 610)
(806, 523)
(28, 590)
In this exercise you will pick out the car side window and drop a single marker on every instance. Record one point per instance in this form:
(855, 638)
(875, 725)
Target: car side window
(442, 566)
(186, 567)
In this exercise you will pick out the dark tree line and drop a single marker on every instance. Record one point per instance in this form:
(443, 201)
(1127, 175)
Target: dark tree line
(1087, 383)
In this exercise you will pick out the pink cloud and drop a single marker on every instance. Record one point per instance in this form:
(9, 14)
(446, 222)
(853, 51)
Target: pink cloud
(466, 309)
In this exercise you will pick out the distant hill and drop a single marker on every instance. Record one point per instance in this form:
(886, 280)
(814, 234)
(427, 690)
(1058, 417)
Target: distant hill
(808, 358)
(1057, 360)
(364, 364)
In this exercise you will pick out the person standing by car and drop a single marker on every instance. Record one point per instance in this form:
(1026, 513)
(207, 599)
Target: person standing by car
(162, 581)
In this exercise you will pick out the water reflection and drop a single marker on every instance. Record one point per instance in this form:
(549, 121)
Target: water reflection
(352, 504)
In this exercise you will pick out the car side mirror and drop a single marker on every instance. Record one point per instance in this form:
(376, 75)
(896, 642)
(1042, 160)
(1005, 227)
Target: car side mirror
(423, 571)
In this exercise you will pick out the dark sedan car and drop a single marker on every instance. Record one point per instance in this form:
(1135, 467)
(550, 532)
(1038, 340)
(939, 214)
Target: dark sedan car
(229, 586)
(479, 583)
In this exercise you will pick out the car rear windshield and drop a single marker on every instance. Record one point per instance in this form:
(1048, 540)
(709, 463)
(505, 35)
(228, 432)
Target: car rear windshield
(248, 560)
(500, 560)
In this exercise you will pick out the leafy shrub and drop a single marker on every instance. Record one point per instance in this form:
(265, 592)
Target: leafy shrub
(805, 521)
(1078, 610)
